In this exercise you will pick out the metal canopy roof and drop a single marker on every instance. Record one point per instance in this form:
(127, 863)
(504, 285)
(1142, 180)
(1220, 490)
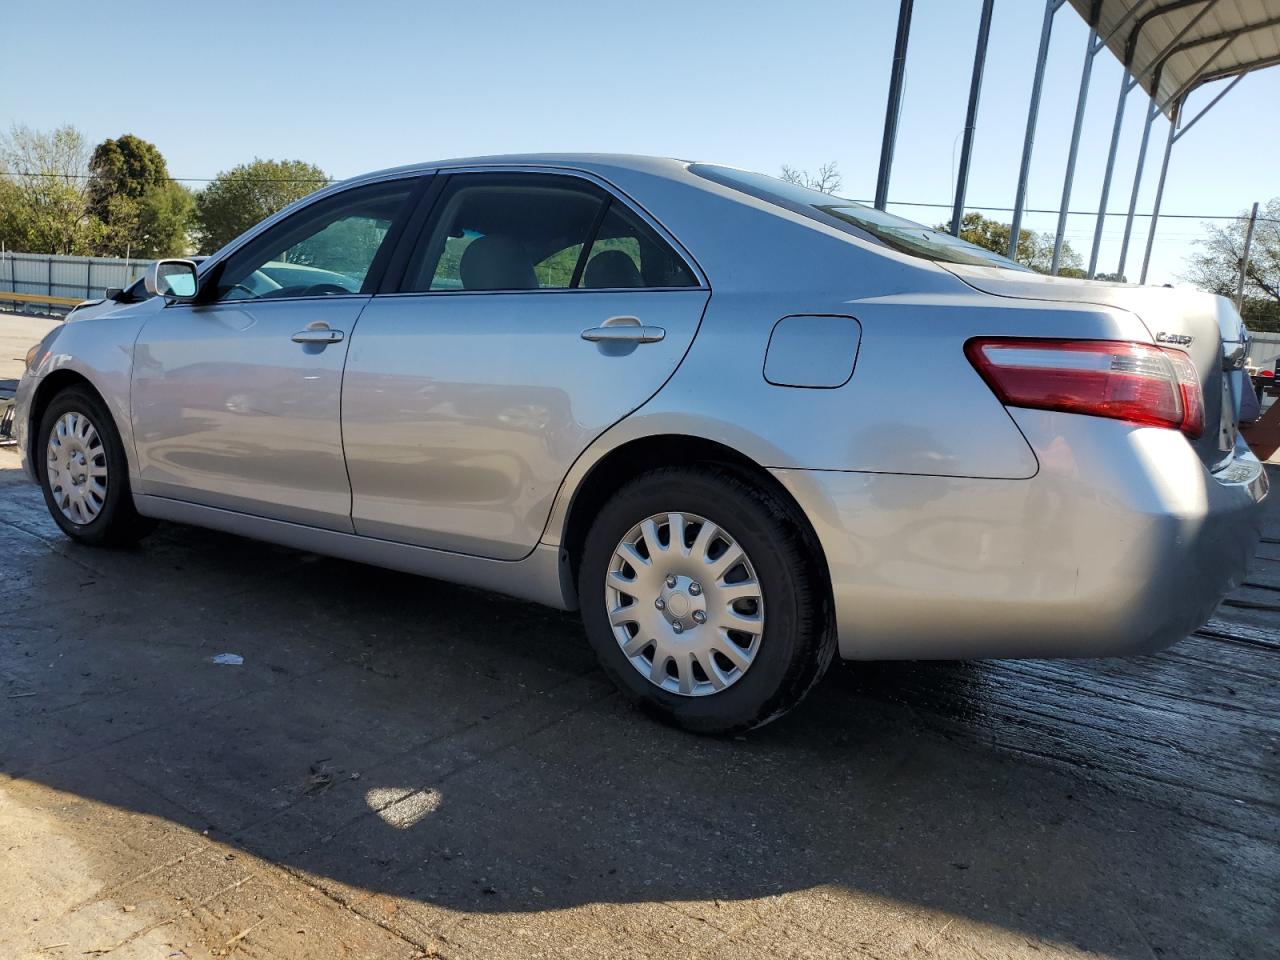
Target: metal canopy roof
(1173, 46)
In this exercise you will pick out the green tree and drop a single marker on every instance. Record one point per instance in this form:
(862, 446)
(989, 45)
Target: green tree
(141, 209)
(43, 198)
(1034, 250)
(1216, 265)
(240, 197)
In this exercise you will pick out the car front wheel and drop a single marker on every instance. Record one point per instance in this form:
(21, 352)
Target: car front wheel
(704, 599)
(83, 471)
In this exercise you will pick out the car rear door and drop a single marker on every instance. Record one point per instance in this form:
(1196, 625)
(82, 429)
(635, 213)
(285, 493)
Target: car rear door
(236, 398)
(534, 311)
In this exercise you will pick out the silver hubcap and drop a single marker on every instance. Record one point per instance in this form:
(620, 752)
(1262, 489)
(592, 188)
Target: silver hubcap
(77, 468)
(685, 605)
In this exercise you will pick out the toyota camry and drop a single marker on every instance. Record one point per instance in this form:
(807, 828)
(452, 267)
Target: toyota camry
(740, 425)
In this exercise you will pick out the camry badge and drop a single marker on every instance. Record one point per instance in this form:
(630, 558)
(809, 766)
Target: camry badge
(1181, 339)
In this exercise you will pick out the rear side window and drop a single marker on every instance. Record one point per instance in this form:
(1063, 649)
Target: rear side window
(510, 232)
(855, 218)
(627, 253)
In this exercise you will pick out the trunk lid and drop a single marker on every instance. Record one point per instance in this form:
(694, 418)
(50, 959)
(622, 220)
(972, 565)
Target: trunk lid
(1204, 325)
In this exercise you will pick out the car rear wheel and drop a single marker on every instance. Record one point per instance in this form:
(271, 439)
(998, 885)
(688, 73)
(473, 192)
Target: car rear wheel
(704, 599)
(83, 471)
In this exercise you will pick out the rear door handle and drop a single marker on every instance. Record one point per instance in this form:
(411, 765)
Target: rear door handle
(317, 335)
(623, 330)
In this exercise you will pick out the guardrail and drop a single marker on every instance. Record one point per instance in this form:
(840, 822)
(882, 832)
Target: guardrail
(9, 296)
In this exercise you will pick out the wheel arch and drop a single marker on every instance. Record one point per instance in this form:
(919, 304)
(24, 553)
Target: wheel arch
(638, 455)
(48, 388)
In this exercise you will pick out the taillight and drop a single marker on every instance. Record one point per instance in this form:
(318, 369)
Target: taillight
(1136, 382)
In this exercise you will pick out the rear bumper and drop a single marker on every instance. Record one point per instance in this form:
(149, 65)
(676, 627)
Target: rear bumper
(1122, 543)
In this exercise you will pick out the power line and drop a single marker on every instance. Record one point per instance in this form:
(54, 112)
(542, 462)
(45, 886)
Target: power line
(898, 203)
(1083, 213)
(90, 176)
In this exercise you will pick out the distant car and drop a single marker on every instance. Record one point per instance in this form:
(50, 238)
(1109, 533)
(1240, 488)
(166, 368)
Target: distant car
(740, 424)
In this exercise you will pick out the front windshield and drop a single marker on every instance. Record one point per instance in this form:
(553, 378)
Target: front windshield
(898, 233)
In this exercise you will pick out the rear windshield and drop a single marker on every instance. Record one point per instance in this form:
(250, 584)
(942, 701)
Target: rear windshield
(862, 221)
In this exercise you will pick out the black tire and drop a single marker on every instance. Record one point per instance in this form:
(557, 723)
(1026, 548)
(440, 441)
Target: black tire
(797, 642)
(117, 523)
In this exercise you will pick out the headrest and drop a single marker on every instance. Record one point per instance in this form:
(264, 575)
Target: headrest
(496, 263)
(612, 268)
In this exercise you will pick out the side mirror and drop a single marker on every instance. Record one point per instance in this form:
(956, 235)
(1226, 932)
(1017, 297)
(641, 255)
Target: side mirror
(172, 279)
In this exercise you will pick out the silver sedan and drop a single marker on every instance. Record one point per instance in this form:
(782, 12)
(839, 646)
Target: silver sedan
(740, 425)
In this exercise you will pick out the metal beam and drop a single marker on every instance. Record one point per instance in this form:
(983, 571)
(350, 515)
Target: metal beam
(1033, 113)
(1186, 128)
(1190, 25)
(1153, 109)
(1155, 210)
(1183, 90)
(1131, 43)
(1225, 35)
(1174, 136)
(971, 114)
(894, 106)
(1244, 258)
(1225, 72)
(1127, 83)
(1091, 52)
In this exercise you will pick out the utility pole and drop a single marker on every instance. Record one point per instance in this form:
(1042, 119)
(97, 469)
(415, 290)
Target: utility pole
(1244, 259)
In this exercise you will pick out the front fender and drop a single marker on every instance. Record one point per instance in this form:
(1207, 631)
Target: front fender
(99, 351)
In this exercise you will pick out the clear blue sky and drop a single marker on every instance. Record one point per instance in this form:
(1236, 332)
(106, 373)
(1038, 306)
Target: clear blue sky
(354, 87)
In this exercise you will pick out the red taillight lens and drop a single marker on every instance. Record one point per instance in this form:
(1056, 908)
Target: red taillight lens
(1267, 373)
(1136, 382)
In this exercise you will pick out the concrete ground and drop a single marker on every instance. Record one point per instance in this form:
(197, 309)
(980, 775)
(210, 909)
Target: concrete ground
(17, 335)
(403, 768)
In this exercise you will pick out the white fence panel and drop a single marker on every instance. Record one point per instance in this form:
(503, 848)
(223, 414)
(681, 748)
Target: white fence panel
(80, 278)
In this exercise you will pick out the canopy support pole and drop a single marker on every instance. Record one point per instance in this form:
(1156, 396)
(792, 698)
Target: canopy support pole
(1127, 83)
(894, 106)
(1091, 51)
(1033, 114)
(1152, 110)
(1244, 258)
(971, 115)
(1174, 136)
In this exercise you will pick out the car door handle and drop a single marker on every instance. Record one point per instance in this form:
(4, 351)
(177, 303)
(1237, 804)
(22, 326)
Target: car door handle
(317, 335)
(623, 330)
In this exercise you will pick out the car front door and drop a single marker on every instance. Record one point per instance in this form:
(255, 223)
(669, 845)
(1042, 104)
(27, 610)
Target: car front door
(236, 397)
(535, 311)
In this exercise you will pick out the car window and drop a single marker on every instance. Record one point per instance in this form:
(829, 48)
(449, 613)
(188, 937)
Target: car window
(537, 232)
(856, 218)
(626, 252)
(506, 232)
(325, 249)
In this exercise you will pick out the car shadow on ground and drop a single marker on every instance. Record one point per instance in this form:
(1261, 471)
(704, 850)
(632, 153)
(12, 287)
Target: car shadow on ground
(403, 737)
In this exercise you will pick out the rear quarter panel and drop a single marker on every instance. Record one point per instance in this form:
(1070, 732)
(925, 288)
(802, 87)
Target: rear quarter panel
(914, 404)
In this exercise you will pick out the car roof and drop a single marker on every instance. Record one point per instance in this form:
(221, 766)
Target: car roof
(592, 162)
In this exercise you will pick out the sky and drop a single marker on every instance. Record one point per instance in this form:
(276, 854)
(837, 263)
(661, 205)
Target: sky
(357, 87)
